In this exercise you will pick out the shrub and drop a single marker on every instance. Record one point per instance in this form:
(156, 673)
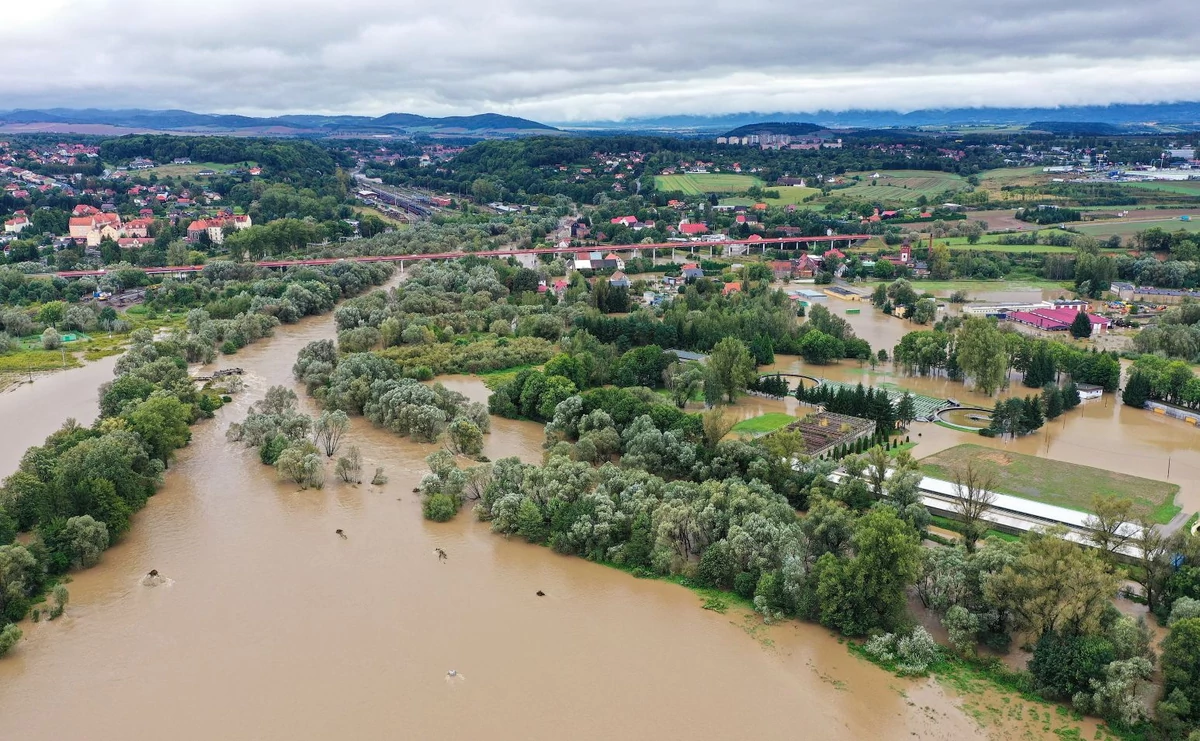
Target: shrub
(439, 508)
(9, 636)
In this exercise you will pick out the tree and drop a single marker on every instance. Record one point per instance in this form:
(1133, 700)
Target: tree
(981, 353)
(52, 313)
(9, 635)
(867, 590)
(1081, 326)
(439, 507)
(820, 348)
(85, 539)
(349, 466)
(162, 423)
(717, 425)
(1109, 528)
(19, 578)
(684, 380)
(730, 369)
(51, 339)
(465, 436)
(328, 430)
(1181, 662)
(925, 311)
(905, 410)
(974, 489)
(1055, 585)
(1052, 400)
(939, 262)
(1137, 390)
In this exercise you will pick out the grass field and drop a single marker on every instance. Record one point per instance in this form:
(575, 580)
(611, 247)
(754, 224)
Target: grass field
(1129, 228)
(1181, 187)
(1054, 482)
(788, 195)
(763, 423)
(715, 182)
(182, 171)
(901, 187)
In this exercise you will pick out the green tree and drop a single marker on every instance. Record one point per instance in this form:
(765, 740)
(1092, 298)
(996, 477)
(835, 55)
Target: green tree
(52, 313)
(981, 353)
(162, 423)
(9, 635)
(1081, 326)
(867, 590)
(820, 348)
(439, 507)
(1137, 390)
(730, 369)
(1055, 585)
(1181, 663)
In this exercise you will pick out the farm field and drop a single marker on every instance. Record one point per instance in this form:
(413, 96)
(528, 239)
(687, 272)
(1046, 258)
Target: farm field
(715, 182)
(901, 187)
(1055, 482)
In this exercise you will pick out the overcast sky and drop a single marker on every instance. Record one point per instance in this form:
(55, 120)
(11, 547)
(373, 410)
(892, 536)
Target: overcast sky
(565, 60)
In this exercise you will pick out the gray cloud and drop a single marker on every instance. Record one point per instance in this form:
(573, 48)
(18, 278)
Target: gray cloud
(564, 61)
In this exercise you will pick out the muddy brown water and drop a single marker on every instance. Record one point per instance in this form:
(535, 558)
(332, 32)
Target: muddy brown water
(272, 627)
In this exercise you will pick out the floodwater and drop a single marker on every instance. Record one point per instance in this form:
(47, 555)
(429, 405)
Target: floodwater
(270, 626)
(31, 411)
(1102, 432)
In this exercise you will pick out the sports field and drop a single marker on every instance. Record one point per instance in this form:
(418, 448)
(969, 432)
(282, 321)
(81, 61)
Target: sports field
(713, 182)
(1055, 482)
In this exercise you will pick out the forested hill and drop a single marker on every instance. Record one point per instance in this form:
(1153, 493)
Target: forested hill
(791, 128)
(301, 162)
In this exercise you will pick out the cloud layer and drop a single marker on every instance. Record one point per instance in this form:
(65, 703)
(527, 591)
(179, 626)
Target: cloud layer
(572, 61)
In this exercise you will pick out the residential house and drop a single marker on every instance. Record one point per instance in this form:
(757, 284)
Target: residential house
(782, 269)
(580, 230)
(805, 267)
(729, 288)
(615, 260)
(624, 220)
(692, 230)
(16, 224)
(690, 271)
(619, 280)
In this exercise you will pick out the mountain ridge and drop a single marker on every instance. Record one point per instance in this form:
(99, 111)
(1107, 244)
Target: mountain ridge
(181, 121)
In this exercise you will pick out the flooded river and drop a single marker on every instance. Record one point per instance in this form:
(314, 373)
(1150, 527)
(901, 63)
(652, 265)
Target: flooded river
(272, 627)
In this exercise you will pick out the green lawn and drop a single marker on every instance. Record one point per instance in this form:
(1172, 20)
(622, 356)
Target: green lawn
(763, 423)
(713, 182)
(1055, 482)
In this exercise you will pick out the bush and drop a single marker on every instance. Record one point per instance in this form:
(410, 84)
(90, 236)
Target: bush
(1063, 666)
(9, 636)
(912, 654)
(440, 507)
(1184, 608)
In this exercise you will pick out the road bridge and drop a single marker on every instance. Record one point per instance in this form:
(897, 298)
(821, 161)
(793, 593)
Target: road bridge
(774, 243)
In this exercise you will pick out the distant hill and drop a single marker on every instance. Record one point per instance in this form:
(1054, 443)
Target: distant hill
(774, 127)
(1149, 117)
(1076, 127)
(169, 121)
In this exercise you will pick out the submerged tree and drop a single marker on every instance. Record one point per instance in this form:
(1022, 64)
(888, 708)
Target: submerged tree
(974, 486)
